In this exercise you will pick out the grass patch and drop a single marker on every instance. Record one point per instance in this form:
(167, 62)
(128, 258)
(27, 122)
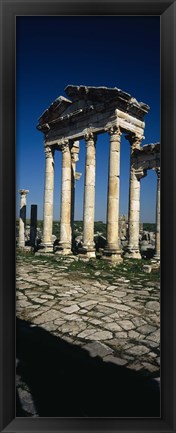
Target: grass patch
(97, 269)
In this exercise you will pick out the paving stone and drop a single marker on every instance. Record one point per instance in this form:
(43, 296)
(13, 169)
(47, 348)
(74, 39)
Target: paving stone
(24, 303)
(98, 349)
(146, 329)
(133, 334)
(115, 360)
(150, 366)
(138, 350)
(49, 326)
(26, 401)
(47, 296)
(86, 333)
(46, 316)
(39, 300)
(101, 335)
(71, 309)
(127, 324)
(121, 334)
(155, 336)
(138, 321)
(73, 328)
(112, 326)
(153, 305)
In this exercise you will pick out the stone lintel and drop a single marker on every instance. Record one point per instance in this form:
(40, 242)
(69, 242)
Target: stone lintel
(78, 132)
(147, 157)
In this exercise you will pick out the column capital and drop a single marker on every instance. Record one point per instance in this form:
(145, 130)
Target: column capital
(49, 152)
(134, 140)
(23, 191)
(114, 132)
(139, 173)
(158, 172)
(90, 138)
(65, 146)
(75, 151)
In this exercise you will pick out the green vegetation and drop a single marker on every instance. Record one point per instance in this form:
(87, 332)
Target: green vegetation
(96, 268)
(149, 227)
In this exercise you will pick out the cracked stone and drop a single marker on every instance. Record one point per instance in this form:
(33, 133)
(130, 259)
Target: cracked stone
(71, 309)
(127, 324)
(146, 329)
(98, 349)
(138, 350)
(153, 305)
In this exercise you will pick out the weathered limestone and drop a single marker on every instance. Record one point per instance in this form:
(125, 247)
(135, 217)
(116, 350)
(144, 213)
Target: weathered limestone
(33, 227)
(92, 110)
(65, 219)
(22, 219)
(89, 197)
(112, 250)
(157, 237)
(47, 244)
(74, 159)
(134, 202)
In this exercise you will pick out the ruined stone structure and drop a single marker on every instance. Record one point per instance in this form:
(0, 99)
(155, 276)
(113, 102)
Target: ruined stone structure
(90, 111)
(142, 159)
(22, 218)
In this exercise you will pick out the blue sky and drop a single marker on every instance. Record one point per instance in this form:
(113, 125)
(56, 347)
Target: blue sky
(112, 51)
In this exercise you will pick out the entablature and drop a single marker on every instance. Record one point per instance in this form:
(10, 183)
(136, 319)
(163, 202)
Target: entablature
(147, 157)
(93, 108)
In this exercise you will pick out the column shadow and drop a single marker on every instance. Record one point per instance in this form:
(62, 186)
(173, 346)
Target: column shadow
(65, 381)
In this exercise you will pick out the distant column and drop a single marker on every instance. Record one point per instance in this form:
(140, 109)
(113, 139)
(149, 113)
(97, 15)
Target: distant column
(64, 246)
(22, 219)
(47, 244)
(112, 249)
(89, 197)
(134, 201)
(33, 225)
(157, 235)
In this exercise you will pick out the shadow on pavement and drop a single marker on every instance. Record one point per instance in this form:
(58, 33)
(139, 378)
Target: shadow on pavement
(65, 381)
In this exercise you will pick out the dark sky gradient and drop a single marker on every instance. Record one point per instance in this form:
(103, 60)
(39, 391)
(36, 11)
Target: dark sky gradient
(52, 52)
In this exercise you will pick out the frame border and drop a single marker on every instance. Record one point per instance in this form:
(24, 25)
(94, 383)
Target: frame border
(167, 12)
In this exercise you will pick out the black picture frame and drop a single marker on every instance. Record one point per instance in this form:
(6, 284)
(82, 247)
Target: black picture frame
(167, 12)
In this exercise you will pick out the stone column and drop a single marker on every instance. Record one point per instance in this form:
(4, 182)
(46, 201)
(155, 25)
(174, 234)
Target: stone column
(112, 250)
(47, 243)
(134, 201)
(157, 235)
(64, 246)
(74, 159)
(33, 225)
(22, 219)
(88, 249)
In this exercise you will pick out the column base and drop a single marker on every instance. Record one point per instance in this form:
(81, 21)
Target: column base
(132, 253)
(86, 253)
(156, 257)
(112, 255)
(44, 249)
(63, 249)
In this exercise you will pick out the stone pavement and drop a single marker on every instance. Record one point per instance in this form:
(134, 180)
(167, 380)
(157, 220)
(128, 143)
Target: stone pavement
(105, 311)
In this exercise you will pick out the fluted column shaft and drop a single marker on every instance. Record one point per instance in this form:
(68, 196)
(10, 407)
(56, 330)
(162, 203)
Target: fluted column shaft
(65, 219)
(157, 235)
(22, 219)
(47, 243)
(134, 202)
(89, 196)
(112, 249)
